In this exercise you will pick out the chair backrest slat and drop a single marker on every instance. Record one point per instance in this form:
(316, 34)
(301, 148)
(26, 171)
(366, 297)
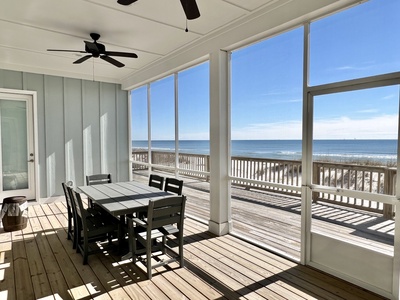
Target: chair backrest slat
(165, 221)
(168, 201)
(67, 195)
(76, 197)
(156, 181)
(173, 185)
(167, 211)
(98, 179)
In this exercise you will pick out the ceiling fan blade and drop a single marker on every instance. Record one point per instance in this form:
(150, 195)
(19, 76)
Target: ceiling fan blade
(191, 10)
(112, 61)
(59, 50)
(82, 59)
(126, 2)
(121, 54)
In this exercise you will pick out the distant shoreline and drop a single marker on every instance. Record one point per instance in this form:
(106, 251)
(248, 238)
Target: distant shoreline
(372, 151)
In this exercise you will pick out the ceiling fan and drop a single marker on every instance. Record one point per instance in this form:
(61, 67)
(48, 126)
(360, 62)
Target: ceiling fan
(189, 6)
(96, 49)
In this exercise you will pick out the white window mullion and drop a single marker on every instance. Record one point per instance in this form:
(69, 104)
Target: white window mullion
(149, 127)
(176, 124)
(306, 153)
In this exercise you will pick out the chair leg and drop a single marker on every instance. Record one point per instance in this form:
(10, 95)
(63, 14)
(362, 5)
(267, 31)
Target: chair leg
(90, 203)
(85, 249)
(69, 232)
(77, 238)
(181, 259)
(164, 242)
(148, 258)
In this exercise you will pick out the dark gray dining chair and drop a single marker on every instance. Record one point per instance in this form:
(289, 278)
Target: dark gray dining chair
(70, 216)
(91, 229)
(164, 221)
(97, 179)
(173, 185)
(156, 181)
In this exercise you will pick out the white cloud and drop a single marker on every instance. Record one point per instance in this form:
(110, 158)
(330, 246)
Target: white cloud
(290, 130)
(391, 96)
(367, 111)
(379, 127)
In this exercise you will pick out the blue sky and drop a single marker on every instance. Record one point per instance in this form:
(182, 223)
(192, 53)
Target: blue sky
(267, 83)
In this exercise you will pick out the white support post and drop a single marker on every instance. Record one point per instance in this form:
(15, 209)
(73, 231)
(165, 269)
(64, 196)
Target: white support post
(149, 160)
(176, 103)
(306, 193)
(220, 200)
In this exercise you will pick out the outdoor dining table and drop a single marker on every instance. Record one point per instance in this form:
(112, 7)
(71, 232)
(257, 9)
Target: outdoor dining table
(122, 198)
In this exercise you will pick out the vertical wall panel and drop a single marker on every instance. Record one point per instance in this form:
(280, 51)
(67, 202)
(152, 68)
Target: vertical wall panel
(11, 80)
(35, 82)
(108, 129)
(54, 116)
(123, 140)
(73, 131)
(73, 115)
(91, 128)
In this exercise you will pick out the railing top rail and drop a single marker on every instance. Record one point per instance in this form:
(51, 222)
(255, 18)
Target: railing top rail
(145, 151)
(265, 159)
(332, 164)
(354, 166)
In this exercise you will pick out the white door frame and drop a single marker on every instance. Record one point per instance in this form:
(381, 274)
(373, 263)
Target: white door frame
(321, 250)
(33, 137)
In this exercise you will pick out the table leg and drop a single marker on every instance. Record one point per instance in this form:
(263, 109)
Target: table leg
(121, 233)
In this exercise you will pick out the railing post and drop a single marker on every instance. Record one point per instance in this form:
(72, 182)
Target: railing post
(208, 167)
(389, 189)
(153, 161)
(283, 171)
(316, 180)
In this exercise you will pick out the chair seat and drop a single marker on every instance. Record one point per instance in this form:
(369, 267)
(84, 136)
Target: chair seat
(169, 229)
(155, 234)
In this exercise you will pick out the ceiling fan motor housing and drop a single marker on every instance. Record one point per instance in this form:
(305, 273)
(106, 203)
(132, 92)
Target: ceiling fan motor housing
(94, 48)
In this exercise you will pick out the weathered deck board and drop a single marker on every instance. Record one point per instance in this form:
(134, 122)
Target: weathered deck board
(39, 262)
(274, 220)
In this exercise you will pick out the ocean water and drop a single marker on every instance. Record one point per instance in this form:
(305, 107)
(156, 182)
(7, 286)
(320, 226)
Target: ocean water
(335, 150)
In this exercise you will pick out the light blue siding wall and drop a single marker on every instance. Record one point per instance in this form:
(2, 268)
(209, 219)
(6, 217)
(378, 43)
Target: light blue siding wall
(82, 128)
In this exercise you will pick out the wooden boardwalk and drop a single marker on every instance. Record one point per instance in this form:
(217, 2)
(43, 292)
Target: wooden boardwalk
(39, 263)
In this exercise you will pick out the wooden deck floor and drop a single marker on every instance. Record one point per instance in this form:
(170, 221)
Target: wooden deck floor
(274, 220)
(39, 263)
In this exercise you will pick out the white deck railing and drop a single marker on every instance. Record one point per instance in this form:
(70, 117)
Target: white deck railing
(279, 175)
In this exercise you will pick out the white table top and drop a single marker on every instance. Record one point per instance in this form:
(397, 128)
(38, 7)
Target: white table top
(123, 198)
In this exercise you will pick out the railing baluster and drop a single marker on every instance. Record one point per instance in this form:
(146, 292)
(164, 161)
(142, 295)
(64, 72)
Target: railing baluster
(371, 179)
